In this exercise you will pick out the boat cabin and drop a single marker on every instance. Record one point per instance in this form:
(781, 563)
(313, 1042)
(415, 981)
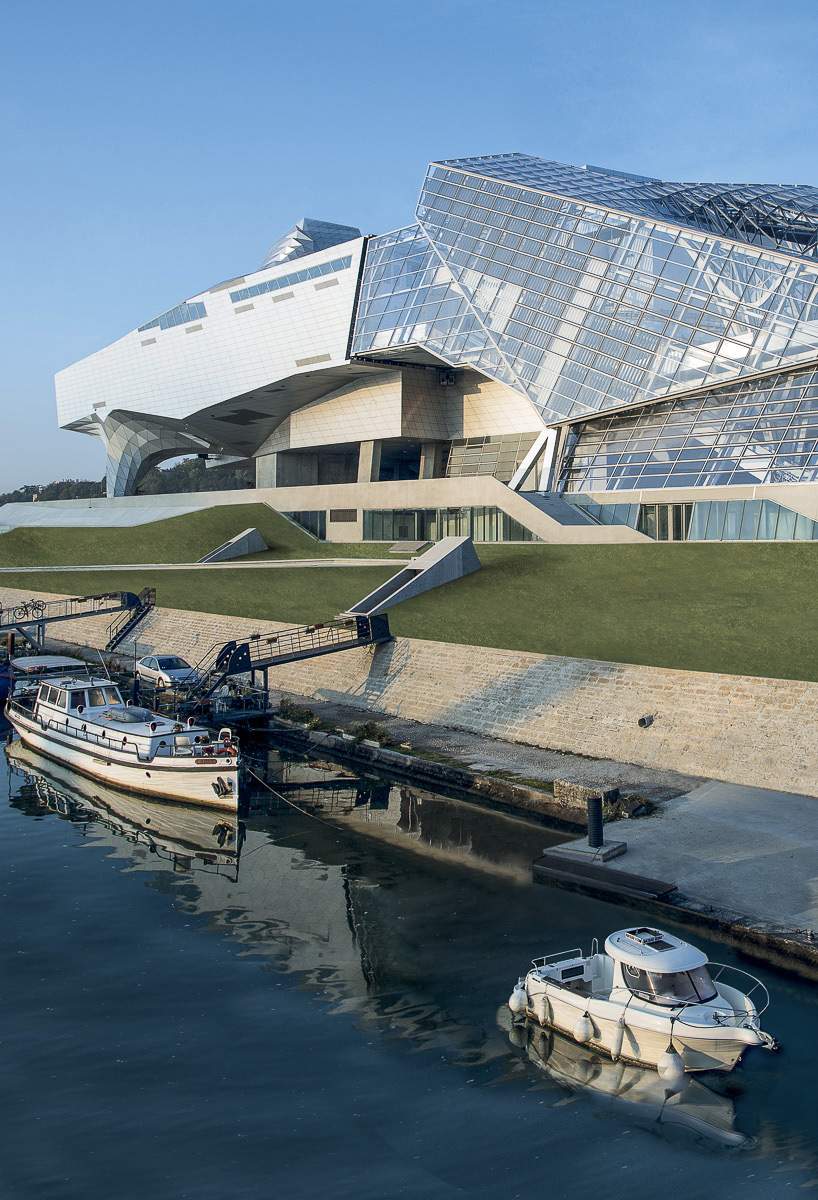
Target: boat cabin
(659, 968)
(92, 709)
(642, 964)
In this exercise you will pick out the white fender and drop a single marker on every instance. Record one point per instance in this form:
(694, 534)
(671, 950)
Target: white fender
(618, 1039)
(518, 1000)
(541, 1008)
(583, 1029)
(671, 1067)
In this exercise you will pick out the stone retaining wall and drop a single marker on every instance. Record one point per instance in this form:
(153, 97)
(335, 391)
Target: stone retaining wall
(736, 728)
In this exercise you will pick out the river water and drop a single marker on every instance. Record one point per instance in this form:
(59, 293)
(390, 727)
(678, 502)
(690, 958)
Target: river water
(311, 1004)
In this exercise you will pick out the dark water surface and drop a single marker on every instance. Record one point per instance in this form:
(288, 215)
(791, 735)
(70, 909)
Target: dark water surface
(318, 1015)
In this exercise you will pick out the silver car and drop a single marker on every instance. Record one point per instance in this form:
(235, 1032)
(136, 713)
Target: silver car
(165, 670)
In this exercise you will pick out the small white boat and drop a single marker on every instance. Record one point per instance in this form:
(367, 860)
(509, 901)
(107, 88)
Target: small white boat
(84, 724)
(649, 998)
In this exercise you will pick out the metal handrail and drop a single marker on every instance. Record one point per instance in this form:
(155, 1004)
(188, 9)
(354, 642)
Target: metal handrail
(756, 985)
(195, 750)
(559, 955)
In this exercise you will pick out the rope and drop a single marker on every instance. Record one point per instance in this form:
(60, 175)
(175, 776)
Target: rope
(298, 809)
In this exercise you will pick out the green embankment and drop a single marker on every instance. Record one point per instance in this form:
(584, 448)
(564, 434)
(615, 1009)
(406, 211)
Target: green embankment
(734, 607)
(176, 539)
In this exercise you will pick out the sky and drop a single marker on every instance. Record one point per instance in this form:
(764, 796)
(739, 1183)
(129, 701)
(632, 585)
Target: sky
(149, 150)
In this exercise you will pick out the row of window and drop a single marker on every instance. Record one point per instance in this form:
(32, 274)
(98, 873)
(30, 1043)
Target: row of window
(285, 281)
(79, 698)
(191, 310)
(706, 520)
(482, 524)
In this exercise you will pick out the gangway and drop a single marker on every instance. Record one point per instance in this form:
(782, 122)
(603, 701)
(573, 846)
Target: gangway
(29, 618)
(261, 651)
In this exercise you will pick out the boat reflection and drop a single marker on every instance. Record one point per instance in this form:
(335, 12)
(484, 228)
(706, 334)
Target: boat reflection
(633, 1092)
(189, 837)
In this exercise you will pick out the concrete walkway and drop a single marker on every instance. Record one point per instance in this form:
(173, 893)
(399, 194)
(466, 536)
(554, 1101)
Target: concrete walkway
(263, 564)
(745, 849)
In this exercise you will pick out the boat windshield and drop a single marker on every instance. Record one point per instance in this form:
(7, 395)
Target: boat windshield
(671, 988)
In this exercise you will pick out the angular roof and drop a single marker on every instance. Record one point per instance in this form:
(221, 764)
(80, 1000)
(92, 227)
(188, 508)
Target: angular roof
(779, 216)
(306, 237)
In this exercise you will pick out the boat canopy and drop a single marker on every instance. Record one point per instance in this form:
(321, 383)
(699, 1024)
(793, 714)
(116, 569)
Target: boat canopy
(35, 664)
(653, 950)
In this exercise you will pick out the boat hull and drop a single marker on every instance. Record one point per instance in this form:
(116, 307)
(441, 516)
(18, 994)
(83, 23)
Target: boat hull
(183, 780)
(645, 1037)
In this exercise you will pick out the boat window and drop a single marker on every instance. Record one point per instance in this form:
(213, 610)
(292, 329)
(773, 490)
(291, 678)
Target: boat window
(77, 698)
(112, 695)
(58, 697)
(96, 696)
(670, 988)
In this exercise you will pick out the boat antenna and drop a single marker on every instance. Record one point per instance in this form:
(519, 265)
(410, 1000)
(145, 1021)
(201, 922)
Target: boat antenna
(104, 665)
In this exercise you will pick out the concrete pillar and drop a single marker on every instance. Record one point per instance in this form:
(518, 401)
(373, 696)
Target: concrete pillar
(429, 458)
(369, 462)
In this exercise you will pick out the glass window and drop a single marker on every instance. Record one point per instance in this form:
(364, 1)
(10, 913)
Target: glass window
(112, 695)
(76, 699)
(96, 697)
(749, 520)
(732, 522)
(670, 988)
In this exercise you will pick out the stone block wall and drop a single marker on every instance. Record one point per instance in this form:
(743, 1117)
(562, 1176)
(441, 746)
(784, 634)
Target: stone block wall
(741, 729)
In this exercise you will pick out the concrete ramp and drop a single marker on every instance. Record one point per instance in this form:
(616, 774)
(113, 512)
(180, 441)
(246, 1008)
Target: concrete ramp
(249, 541)
(449, 559)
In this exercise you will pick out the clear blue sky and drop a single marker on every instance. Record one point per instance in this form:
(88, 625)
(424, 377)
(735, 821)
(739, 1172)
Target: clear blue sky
(151, 149)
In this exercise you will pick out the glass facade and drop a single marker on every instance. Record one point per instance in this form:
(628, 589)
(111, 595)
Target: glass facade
(191, 310)
(483, 524)
(524, 270)
(762, 431)
(706, 520)
(285, 281)
(490, 455)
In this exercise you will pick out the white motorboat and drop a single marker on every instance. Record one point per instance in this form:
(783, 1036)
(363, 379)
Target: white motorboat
(84, 724)
(649, 998)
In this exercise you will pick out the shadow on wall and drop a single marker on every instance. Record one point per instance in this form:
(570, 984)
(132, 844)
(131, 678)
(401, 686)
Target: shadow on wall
(733, 728)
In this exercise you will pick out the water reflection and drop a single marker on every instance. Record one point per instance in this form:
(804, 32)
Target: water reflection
(438, 825)
(416, 931)
(631, 1092)
(189, 837)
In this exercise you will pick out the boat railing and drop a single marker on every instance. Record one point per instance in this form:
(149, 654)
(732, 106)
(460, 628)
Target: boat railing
(546, 960)
(756, 987)
(142, 754)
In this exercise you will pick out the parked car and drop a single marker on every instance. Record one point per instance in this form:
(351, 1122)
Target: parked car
(165, 670)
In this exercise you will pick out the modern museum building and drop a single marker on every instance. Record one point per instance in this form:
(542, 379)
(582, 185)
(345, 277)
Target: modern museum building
(548, 351)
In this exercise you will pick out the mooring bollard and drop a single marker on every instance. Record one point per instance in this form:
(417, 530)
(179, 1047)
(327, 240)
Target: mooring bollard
(595, 822)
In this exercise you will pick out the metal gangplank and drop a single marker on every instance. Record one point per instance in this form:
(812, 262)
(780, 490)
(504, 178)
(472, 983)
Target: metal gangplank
(29, 618)
(261, 651)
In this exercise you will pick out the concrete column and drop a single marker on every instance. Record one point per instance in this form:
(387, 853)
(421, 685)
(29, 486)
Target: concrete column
(429, 458)
(369, 462)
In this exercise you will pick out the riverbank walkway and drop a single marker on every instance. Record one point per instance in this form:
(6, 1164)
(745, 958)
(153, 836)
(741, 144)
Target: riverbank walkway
(749, 850)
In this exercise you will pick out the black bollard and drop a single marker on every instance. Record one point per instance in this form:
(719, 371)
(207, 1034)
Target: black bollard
(595, 822)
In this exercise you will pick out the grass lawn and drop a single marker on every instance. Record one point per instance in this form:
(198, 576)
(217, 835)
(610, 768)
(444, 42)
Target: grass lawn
(177, 539)
(740, 608)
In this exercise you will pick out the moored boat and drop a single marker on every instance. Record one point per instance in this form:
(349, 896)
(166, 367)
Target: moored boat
(648, 998)
(84, 724)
